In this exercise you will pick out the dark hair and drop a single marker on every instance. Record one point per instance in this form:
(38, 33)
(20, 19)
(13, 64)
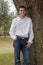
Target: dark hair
(22, 7)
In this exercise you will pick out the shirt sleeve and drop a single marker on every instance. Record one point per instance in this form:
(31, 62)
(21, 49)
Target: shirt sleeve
(12, 30)
(31, 33)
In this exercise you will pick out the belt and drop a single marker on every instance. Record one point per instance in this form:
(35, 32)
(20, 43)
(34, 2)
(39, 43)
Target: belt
(21, 37)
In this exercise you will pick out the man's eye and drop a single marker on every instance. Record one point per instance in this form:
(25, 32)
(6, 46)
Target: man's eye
(21, 10)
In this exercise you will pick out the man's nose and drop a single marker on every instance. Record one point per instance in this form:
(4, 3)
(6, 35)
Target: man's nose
(22, 11)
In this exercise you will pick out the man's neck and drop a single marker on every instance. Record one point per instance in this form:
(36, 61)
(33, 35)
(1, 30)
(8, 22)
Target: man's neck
(22, 17)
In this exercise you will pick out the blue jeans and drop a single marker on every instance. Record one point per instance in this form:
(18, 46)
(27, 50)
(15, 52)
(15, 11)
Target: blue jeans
(20, 45)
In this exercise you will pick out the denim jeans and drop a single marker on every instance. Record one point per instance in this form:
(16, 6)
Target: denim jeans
(20, 45)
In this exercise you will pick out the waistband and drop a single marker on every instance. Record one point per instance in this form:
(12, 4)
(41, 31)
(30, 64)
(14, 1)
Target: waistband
(19, 37)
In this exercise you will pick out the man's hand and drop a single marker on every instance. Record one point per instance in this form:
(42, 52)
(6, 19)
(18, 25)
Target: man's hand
(15, 38)
(28, 44)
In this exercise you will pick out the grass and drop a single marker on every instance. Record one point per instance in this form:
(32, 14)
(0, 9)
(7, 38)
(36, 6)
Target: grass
(7, 59)
(6, 51)
(6, 44)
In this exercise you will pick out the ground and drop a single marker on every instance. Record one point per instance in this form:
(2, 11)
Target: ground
(6, 44)
(6, 51)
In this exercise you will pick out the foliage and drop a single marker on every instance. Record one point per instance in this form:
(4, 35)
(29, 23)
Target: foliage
(5, 18)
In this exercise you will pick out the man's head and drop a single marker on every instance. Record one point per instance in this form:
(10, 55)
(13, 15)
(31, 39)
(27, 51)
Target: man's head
(22, 11)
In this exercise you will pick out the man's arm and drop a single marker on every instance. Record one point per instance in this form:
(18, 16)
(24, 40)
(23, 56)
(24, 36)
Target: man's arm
(12, 30)
(31, 35)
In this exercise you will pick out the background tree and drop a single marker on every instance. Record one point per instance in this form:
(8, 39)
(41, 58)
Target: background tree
(5, 18)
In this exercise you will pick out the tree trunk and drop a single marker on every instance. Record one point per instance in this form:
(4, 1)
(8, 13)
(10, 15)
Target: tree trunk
(35, 11)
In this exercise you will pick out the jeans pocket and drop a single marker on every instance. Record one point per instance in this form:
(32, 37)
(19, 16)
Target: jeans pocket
(14, 43)
(25, 41)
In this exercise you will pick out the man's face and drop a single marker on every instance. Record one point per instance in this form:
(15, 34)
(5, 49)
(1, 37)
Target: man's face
(22, 11)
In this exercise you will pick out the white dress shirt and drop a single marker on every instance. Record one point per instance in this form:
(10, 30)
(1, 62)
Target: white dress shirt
(22, 27)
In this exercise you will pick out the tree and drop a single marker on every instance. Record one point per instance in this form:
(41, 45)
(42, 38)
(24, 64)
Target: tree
(5, 18)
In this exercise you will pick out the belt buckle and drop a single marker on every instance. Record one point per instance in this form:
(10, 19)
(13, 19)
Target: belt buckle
(22, 37)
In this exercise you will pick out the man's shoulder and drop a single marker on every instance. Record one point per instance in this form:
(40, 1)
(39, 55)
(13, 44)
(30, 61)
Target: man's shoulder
(28, 18)
(14, 19)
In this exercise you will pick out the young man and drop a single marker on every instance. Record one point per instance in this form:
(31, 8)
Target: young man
(22, 32)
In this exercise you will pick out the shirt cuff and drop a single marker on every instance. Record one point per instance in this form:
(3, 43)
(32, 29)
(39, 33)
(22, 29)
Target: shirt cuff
(13, 37)
(30, 41)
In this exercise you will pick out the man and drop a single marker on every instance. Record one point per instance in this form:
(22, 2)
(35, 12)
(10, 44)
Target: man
(22, 32)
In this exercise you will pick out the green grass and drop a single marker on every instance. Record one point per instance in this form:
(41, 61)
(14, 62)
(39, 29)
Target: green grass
(7, 59)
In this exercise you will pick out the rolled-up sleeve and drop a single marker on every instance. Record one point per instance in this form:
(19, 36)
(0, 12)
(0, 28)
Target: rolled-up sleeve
(12, 30)
(31, 33)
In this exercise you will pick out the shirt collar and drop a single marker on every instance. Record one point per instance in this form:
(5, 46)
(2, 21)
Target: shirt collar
(21, 18)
